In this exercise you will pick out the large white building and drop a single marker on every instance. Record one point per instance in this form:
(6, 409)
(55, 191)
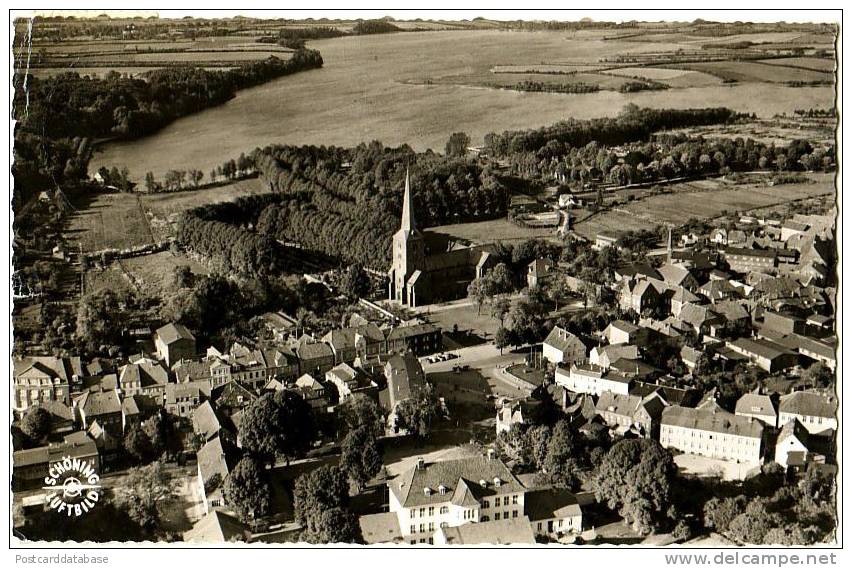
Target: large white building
(712, 432)
(592, 379)
(451, 493)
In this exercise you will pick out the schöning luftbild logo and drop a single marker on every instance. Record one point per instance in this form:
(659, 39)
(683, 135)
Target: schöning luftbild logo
(73, 486)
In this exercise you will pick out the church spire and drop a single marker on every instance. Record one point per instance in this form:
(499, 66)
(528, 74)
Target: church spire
(407, 206)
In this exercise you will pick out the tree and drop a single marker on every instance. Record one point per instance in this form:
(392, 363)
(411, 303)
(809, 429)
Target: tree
(479, 291)
(137, 444)
(320, 489)
(561, 462)
(819, 375)
(719, 512)
(354, 282)
(360, 456)
(277, 425)
(161, 432)
(150, 182)
(635, 478)
(502, 339)
(457, 144)
(361, 412)
(139, 494)
(36, 423)
(333, 525)
(246, 490)
(416, 413)
(195, 176)
(98, 320)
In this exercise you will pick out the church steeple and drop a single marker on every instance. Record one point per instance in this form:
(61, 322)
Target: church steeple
(407, 206)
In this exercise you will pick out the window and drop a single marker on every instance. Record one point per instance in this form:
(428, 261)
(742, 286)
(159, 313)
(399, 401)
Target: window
(514, 499)
(496, 501)
(484, 518)
(486, 504)
(445, 510)
(422, 511)
(431, 527)
(412, 530)
(505, 514)
(506, 500)
(515, 514)
(444, 525)
(431, 511)
(431, 540)
(413, 513)
(422, 528)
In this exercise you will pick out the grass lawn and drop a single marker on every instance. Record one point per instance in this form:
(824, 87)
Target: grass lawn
(527, 374)
(108, 220)
(152, 273)
(484, 232)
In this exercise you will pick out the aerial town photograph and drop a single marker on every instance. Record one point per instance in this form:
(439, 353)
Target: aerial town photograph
(424, 280)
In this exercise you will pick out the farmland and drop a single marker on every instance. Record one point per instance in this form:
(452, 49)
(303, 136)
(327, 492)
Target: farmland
(752, 71)
(418, 88)
(702, 200)
(123, 220)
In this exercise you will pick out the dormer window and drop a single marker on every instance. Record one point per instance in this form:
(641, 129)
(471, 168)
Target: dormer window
(497, 482)
(427, 491)
(483, 483)
(442, 490)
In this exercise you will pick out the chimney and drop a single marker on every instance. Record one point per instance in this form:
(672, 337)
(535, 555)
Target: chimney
(421, 463)
(490, 454)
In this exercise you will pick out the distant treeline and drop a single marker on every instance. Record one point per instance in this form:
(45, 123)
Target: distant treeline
(633, 124)
(58, 116)
(296, 37)
(346, 202)
(569, 88)
(69, 105)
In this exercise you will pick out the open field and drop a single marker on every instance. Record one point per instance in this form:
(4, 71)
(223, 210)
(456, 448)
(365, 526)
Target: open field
(752, 71)
(162, 208)
(778, 131)
(377, 88)
(123, 220)
(484, 232)
(815, 63)
(690, 199)
(109, 220)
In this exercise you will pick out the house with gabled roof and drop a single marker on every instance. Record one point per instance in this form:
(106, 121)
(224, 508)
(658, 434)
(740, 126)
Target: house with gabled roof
(553, 512)
(174, 342)
(509, 531)
(216, 458)
(592, 379)
(103, 406)
(794, 449)
(816, 410)
(758, 406)
(677, 275)
(404, 376)
(563, 347)
(42, 379)
(349, 381)
(144, 377)
(451, 493)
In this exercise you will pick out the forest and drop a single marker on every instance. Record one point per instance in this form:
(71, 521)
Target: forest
(631, 125)
(346, 202)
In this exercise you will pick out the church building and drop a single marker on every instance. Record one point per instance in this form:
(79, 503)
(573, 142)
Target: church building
(428, 267)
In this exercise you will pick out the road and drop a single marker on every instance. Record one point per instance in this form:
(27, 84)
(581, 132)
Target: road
(486, 359)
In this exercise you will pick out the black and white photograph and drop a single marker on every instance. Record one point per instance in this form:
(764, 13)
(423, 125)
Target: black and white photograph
(420, 279)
